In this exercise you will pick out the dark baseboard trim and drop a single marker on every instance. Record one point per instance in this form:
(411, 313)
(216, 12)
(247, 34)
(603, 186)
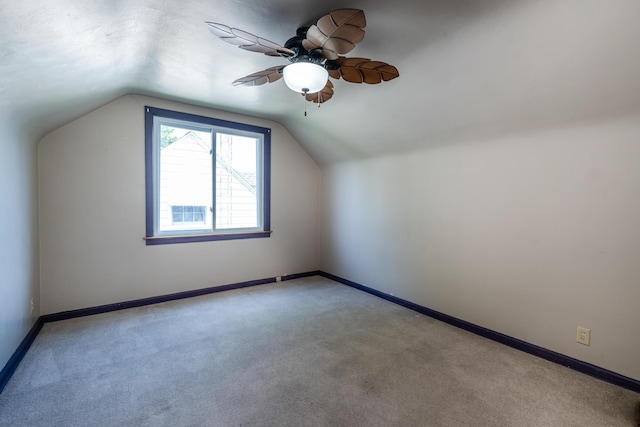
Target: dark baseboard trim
(16, 358)
(552, 356)
(64, 315)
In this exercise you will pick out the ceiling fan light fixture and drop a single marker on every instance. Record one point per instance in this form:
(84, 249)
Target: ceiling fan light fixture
(305, 77)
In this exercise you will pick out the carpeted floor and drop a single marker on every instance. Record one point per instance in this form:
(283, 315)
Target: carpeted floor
(308, 352)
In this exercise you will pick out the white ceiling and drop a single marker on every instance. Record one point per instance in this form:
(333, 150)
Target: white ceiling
(468, 69)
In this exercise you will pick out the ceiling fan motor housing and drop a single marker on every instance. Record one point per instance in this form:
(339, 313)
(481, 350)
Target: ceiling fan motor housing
(303, 55)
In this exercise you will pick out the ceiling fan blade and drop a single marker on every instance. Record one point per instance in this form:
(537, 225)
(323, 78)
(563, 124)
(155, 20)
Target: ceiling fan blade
(364, 70)
(269, 75)
(323, 96)
(248, 41)
(334, 74)
(336, 33)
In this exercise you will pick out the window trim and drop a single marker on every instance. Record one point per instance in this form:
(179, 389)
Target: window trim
(150, 237)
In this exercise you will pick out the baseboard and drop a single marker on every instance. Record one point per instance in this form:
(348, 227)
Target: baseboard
(552, 356)
(64, 315)
(16, 358)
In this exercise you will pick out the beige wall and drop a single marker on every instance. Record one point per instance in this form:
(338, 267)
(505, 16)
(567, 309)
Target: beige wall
(528, 235)
(92, 215)
(19, 282)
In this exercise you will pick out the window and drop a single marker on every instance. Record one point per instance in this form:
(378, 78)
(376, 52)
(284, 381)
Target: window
(206, 179)
(187, 214)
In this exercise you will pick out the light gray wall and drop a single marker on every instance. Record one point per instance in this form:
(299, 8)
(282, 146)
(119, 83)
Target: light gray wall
(92, 215)
(529, 235)
(19, 280)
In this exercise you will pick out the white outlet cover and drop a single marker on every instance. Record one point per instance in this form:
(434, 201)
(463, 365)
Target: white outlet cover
(583, 335)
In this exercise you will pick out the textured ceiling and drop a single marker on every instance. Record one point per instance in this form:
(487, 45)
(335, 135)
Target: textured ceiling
(468, 69)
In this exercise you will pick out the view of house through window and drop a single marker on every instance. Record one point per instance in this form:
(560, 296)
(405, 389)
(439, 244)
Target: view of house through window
(207, 179)
(188, 214)
(236, 171)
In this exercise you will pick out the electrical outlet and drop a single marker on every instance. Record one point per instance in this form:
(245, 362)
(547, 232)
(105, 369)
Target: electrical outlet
(31, 312)
(583, 335)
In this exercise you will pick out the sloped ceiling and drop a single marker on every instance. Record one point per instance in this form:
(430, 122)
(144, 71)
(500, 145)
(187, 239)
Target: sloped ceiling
(468, 69)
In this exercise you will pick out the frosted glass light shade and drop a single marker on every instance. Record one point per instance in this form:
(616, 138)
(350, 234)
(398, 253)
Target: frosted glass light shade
(301, 76)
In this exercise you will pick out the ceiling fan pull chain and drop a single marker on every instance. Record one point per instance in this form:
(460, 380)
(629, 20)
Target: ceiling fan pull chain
(304, 99)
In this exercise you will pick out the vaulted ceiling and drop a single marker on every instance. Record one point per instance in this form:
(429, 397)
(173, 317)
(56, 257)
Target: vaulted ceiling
(468, 69)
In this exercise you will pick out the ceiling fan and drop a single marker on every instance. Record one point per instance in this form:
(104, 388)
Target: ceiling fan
(314, 55)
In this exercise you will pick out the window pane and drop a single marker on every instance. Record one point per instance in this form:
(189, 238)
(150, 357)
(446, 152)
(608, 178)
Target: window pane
(185, 174)
(176, 213)
(236, 182)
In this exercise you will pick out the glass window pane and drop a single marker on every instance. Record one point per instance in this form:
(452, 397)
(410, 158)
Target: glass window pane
(185, 174)
(236, 182)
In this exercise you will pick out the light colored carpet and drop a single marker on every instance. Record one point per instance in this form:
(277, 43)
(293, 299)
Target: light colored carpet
(308, 352)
